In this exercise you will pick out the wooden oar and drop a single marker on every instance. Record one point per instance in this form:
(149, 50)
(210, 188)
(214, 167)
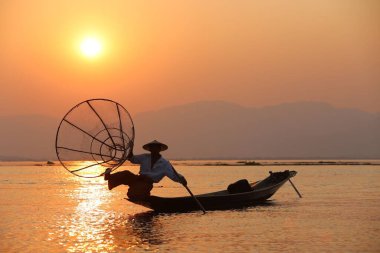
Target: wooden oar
(299, 194)
(192, 195)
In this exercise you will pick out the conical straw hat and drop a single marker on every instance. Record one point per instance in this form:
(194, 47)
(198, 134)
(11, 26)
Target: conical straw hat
(155, 142)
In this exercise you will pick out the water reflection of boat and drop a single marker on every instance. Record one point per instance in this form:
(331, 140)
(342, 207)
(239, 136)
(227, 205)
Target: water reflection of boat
(260, 192)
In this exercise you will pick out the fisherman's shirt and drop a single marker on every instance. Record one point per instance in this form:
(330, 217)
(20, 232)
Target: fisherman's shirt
(160, 169)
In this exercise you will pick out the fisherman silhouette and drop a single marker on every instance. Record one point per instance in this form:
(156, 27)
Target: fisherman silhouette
(153, 168)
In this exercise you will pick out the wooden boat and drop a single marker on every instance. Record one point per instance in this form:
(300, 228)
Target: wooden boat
(260, 192)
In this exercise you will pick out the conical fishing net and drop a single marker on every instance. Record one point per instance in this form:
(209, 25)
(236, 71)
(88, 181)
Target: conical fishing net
(94, 135)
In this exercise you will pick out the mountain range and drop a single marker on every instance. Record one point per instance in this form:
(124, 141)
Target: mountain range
(222, 130)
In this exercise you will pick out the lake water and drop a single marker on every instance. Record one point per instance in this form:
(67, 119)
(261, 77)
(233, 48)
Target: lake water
(46, 209)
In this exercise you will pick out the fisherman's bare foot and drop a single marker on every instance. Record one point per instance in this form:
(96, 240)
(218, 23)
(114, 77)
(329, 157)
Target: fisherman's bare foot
(110, 186)
(107, 173)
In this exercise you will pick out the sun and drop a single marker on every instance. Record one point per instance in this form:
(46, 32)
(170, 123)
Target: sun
(91, 47)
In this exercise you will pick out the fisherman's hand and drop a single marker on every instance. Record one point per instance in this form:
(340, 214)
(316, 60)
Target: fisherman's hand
(183, 180)
(130, 155)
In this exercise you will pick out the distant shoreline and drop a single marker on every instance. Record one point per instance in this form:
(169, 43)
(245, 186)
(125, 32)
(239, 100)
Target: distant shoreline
(281, 163)
(321, 163)
(216, 163)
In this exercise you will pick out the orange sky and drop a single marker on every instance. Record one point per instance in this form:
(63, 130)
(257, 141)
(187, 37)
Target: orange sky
(162, 53)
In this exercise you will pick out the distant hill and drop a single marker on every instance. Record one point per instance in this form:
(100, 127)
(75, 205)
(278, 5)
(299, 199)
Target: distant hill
(221, 130)
(27, 137)
(295, 130)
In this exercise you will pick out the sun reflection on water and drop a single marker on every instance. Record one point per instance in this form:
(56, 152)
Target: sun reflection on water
(95, 224)
(89, 169)
(86, 230)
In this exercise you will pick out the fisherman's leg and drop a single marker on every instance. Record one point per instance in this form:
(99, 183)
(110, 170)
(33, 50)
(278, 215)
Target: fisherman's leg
(141, 188)
(123, 177)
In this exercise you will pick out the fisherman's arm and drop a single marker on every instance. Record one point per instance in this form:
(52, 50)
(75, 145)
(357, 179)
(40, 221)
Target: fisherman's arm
(175, 176)
(130, 155)
(136, 159)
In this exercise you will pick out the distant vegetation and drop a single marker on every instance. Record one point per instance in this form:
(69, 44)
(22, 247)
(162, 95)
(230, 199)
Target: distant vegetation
(275, 163)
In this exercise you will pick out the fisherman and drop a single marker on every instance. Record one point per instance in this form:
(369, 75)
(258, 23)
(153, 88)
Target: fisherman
(153, 167)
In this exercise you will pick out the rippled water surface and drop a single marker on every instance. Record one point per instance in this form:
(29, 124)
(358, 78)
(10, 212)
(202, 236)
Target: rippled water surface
(46, 209)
